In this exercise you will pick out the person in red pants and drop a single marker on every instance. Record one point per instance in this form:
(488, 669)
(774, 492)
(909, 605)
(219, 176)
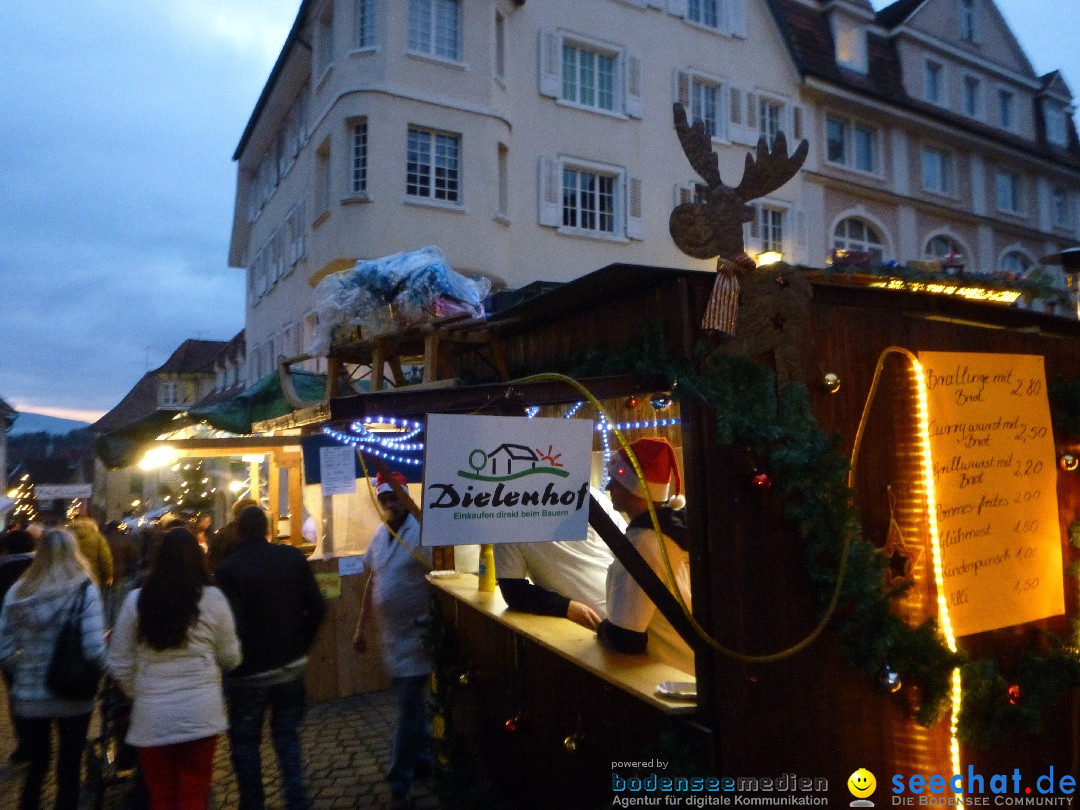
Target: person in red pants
(172, 640)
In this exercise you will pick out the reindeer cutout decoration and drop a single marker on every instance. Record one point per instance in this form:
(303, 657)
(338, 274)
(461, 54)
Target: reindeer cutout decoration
(712, 225)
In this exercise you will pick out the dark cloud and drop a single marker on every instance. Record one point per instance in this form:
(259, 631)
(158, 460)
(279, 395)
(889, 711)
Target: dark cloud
(119, 123)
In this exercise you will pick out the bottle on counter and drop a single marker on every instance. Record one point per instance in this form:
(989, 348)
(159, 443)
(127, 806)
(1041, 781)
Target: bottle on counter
(486, 582)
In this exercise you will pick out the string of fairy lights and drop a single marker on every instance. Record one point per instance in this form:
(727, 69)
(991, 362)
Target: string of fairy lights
(399, 441)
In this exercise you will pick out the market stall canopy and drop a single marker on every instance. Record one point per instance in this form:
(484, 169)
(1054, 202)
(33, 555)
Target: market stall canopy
(261, 401)
(121, 447)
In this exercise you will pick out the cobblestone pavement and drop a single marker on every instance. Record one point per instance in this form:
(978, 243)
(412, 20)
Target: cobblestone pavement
(346, 745)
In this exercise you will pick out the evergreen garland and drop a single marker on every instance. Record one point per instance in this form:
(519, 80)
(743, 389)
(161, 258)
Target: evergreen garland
(810, 477)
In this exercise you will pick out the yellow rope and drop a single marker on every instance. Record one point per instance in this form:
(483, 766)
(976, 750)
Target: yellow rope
(747, 658)
(379, 512)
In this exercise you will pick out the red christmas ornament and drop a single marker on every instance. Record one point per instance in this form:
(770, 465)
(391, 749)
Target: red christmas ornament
(762, 482)
(631, 402)
(1014, 694)
(512, 724)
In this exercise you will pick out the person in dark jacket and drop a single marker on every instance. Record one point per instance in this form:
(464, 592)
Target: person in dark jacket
(278, 609)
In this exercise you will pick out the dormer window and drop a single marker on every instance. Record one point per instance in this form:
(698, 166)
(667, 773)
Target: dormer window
(969, 29)
(1006, 118)
(850, 38)
(934, 82)
(1057, 131)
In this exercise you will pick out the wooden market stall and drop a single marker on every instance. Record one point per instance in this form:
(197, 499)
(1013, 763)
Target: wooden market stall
(547, 715)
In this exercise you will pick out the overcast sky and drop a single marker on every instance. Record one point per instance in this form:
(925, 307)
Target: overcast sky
(118, 120)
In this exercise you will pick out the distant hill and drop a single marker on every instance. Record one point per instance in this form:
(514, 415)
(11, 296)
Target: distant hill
(40, 423)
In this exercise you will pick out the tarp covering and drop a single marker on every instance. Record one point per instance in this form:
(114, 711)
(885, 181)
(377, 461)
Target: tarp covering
(122, 447)
(261, 401)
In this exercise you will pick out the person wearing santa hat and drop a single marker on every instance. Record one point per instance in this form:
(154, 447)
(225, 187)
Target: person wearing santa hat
(634, 624)
(398, 594)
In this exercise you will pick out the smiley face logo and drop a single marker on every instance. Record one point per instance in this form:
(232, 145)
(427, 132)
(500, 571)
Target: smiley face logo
(862, 783)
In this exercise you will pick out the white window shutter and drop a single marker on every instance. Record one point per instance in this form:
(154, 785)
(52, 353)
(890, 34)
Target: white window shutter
(548, 187)
(677, 7)
(684, 193)
(752, 231)
(550, 64)
(800, 228)
(682, 90)
(751, 133)
(736, 11)
(635, 226)
(798, 125)
(737, 115)
(633, 86)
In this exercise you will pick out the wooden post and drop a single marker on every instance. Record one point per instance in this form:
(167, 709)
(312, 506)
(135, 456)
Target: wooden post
(296, 502)
(274, 497)
(254, 474)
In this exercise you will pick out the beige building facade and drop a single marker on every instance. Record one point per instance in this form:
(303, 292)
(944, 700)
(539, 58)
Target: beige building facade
(534, 140)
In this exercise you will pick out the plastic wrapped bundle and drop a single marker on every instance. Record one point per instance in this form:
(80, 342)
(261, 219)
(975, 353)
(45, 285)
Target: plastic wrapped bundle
(393, 293)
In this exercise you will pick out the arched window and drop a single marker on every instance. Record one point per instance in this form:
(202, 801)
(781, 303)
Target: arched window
(942, 246)
(859, 236)
(1016, 261)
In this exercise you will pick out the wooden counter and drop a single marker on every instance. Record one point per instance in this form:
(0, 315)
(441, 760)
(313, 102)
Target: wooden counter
(546, 711)
(636, 674)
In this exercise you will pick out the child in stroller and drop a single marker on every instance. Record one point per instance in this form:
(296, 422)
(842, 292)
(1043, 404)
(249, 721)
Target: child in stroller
(112, 777)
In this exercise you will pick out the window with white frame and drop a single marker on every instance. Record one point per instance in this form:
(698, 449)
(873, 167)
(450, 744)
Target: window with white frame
(588, 73)
(972, 97)
(323, 50)
(588, 76)
(583, 197)
(433, 165)
(937, 170)
(767, 228)
(942, 247)
(1016, 261)
(358, 157)
(704, 12)
(1009, 193)
(503, 158)
(500, 45)
(365, 23)
(1059, 207)
(969, 29)
(1056, 115)
(588, 200)
(856, 235)
(323, 178)
(1006, 117)
(770, 118)
(934, 82)
(851, 144)
(435, 28)
(707, 104)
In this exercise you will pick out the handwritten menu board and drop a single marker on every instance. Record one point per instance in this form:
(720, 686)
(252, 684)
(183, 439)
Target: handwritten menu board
(995, 475)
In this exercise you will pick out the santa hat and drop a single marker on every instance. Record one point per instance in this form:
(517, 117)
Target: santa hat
(656, 457)
(382, 483)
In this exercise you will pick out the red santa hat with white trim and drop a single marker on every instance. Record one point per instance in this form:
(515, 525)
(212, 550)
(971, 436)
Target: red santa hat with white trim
(382, 484)
(656, 457)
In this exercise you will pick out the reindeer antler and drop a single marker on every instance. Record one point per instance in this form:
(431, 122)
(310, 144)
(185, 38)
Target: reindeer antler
(772, 168)
(697, 145)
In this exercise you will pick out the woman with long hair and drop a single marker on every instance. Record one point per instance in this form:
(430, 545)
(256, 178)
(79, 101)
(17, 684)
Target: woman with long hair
(34, 610)
(173, 638)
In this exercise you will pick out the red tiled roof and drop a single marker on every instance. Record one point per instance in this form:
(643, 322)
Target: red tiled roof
(809, 40)
(139, 401)
(192, 356)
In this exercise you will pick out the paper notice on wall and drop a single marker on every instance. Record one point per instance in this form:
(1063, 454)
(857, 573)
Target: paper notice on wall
(995, 478)
(338, 470)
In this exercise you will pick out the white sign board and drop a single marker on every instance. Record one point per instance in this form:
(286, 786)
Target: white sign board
(337, 468)
(505, 479)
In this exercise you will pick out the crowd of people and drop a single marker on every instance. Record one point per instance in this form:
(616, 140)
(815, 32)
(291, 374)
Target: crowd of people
(197, 651)
(210, 631)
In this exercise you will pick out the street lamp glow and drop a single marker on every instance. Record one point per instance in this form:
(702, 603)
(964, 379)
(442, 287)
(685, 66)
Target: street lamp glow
(157, 457)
